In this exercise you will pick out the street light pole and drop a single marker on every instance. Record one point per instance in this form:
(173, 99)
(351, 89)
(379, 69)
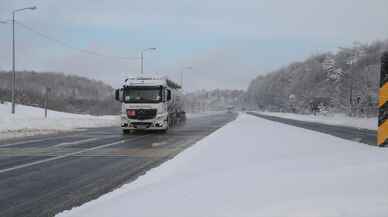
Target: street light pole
(142, 58)
(13, 86)
(13, 64)
(142, 62)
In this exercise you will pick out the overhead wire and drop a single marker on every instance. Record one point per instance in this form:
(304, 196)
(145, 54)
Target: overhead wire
(69, 46)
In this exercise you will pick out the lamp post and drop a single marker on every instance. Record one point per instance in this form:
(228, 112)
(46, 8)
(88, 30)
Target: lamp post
(13, 55)
(185, 68)
(142, 58)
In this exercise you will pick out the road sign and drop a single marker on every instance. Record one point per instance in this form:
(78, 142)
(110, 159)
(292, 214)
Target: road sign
(382, 139)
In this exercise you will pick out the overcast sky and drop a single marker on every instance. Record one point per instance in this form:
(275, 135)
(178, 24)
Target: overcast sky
(227, 43)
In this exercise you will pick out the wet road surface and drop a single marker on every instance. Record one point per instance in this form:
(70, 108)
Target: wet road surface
(44, 175)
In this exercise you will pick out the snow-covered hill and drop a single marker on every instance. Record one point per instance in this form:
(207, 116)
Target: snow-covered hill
(30, 121)
(68, 93)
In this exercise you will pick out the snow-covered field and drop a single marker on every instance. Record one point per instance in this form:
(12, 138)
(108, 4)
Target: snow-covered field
(30, 121)
(331, 119)
(255, 167)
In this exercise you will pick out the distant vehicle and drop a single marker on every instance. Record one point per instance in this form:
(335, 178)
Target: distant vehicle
(150, 104)
(230, 109)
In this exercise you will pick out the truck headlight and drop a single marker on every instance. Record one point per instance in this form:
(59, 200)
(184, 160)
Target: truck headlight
(161, 118)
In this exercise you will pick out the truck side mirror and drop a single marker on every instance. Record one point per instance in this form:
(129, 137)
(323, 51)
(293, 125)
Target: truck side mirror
(168, 95)
(119, 95)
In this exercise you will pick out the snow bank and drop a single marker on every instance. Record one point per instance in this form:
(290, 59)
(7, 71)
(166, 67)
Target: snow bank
(254, 167)
(30, 120)
(331, 119)
(203, 114)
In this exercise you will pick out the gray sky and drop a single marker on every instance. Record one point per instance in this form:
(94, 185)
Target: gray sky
(227, 43)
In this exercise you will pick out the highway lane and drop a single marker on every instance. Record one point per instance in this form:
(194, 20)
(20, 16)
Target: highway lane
(43, 175)
(355, 134)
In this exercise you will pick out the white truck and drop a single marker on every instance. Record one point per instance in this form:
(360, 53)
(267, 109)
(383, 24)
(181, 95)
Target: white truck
(149, 103)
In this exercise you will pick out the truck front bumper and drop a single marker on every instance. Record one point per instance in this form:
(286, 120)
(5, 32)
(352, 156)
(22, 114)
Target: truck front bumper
(158, 123)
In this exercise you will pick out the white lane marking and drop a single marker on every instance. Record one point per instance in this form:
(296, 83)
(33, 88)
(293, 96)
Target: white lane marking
(157, 144)
(81, 141)
(67, 155)
(24, 142)
(35, 140)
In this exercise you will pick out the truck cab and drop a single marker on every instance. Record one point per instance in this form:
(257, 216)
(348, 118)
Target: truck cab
(149, 104)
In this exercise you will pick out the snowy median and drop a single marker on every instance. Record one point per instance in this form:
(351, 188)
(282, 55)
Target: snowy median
(255, 167)
(30, 120)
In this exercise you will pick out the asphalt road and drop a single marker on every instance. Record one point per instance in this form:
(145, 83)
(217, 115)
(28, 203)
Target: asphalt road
(44, 175)
(355, 134)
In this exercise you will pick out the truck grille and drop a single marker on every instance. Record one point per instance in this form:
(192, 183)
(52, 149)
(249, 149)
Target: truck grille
(144, 114)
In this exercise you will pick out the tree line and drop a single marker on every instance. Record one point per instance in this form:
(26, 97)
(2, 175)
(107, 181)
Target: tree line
(213, 100)
(346, 81)
(67, 93)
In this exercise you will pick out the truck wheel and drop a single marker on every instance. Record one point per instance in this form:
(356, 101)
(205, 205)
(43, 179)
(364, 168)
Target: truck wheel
(163, 131)
(126, 131)
(169, 122)
(174, 121)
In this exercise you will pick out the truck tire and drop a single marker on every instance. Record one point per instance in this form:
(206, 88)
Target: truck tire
(163, 131)
(169, 122)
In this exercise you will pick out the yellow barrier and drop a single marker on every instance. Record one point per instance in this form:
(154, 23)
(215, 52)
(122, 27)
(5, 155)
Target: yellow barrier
(382, 137)
(383, 134)
(383, 95)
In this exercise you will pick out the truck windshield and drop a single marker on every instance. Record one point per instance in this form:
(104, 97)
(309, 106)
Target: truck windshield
(142, 95)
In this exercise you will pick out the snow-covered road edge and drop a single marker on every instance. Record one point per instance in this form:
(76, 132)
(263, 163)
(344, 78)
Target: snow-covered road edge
(52, 126)
(30, 121)
(329, 119)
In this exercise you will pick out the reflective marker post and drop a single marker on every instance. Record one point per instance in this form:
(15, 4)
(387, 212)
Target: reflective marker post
(382, 137)
(46, 101)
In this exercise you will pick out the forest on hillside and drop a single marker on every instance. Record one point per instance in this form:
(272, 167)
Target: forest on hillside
(75, 94)
(213, 100)
(68, 93)
(346, 81)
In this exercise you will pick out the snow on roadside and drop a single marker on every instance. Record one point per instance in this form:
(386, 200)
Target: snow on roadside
(255, 167)
(202, 114)
(330, 119)
(30, 120)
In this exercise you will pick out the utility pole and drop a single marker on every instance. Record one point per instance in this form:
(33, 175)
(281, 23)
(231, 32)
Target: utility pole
(142, 58)
(142, 63)
(13, 84)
